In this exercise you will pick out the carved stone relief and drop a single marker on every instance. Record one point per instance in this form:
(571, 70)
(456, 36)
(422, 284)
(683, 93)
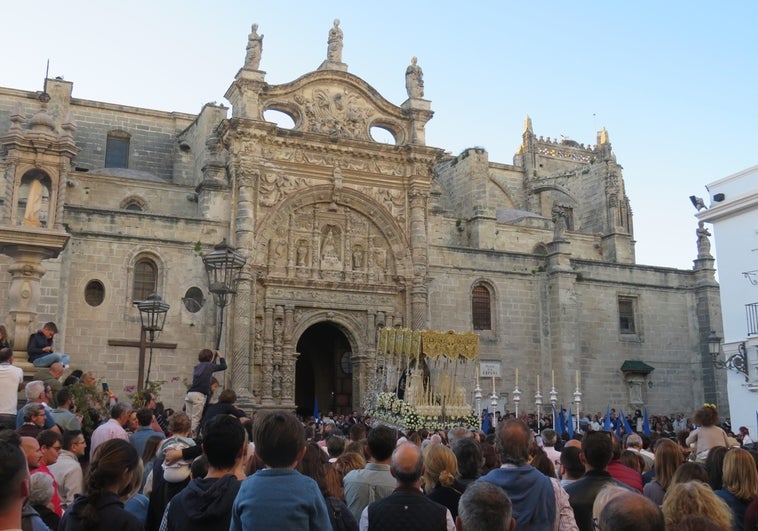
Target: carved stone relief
(337, 112)
(274, 187)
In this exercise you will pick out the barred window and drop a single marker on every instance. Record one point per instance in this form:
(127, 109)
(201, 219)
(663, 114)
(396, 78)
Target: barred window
(481, 308)
(145, 279)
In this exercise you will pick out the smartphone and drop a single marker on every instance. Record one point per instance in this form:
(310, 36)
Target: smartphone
(105, 387)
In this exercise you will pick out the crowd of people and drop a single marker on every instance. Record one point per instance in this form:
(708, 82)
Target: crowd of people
(211, 467)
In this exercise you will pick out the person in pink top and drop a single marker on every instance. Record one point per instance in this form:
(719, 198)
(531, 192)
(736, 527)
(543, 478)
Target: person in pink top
(114, 428)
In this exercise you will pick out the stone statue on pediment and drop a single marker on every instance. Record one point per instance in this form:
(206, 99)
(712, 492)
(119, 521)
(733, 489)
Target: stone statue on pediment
(254, 49)
(703, 243)
(334, 44)
(414, 80)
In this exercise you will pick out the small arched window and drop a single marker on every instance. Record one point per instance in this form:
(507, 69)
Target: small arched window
(145, 279)
(481, 308)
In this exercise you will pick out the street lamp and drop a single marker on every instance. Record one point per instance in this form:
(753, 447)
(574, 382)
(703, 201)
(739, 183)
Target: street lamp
(737, 361)
(223, 265)
(152, 315)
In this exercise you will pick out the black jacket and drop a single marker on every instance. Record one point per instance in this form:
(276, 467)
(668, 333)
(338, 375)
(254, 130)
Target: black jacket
(406, 508)
(582, 494)
(204, 505)
(110, 513)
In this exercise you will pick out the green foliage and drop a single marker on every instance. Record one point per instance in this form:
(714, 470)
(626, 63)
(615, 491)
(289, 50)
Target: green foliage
(137, 398)
(86, 398)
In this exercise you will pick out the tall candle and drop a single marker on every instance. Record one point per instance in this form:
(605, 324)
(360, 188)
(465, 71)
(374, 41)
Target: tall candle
(577, 379)
(516, 376)
(553, 377)
(538, 383)
(493, 385)
(478, 370)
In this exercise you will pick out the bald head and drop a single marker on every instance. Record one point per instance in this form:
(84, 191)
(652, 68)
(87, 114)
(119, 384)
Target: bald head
(631, 512)
(56, 369)
(31, 449)
(407, 464)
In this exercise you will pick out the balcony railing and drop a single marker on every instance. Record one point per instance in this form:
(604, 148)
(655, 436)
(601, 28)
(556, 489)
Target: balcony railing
(751, 311)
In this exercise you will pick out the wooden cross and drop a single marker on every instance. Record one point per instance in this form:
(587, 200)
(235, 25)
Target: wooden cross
(143, 344)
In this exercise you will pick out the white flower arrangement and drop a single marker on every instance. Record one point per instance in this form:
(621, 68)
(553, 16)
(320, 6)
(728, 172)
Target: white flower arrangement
(393, 410)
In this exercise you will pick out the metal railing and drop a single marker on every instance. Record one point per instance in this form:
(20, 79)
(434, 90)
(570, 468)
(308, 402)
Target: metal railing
(751, 312)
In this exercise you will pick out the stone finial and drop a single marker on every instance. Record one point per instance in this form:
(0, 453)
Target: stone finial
(254, 49)
(17, 119)
(42, 121)
(414, 80)
(68, 126)
(528, 124)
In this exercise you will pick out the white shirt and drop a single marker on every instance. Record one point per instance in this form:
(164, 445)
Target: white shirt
(68, 476)
(10, 377)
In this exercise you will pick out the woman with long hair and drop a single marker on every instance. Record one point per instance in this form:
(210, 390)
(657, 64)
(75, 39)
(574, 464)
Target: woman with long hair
(349, 461)
(708, 435)
(316, 465)
(149, 456)
(714, 466)
(694, 498)
(440, 479)
(667, 459)
(689, 471)
(110, 479)
(740, 484)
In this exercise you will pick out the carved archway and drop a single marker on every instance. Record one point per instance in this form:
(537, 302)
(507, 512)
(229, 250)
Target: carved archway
(328, 369)
(281, 238)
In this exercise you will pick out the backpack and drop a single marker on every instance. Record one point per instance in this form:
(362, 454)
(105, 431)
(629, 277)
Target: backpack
(341, 517)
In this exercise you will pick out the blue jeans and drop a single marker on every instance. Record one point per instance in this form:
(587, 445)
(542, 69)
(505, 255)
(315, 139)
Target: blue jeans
(49, 359)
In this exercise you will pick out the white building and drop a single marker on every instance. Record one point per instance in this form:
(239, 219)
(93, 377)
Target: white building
(734, 215)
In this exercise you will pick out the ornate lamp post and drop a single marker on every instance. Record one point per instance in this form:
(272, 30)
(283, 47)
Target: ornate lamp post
(152, 314)
(223, 266)
(736, 361)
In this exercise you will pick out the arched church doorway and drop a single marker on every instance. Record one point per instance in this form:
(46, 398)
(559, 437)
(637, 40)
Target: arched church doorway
(323, 371)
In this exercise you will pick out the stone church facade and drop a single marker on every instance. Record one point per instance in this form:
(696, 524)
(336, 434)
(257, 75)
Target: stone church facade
(342, 235)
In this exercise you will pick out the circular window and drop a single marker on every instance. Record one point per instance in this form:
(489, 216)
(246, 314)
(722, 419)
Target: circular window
(94, 293)
(193, 300)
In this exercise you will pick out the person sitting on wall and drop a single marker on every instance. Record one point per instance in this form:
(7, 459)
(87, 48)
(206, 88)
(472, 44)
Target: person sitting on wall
(40, 348)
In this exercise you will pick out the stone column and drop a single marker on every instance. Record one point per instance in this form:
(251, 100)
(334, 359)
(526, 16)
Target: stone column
(419, 296)
(243, 307)
(23, 295)
(241, 332)
(268, 355)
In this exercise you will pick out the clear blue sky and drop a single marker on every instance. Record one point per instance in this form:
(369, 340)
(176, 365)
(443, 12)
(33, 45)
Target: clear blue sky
(673, 82)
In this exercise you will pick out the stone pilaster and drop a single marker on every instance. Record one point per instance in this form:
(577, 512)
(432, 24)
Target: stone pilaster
(418, 196)
(268, 356)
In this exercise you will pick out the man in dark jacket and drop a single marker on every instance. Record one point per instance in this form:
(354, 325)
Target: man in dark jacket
(206, 503)
(407, 507)
(597, 452)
